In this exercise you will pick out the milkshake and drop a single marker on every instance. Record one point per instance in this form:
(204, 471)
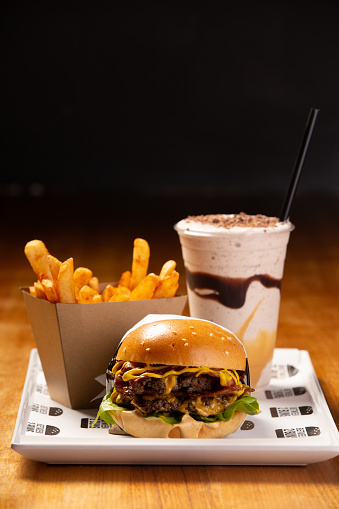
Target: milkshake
(234, 267)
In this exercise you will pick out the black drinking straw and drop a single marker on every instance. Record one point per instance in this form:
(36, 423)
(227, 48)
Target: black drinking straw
(285, 211)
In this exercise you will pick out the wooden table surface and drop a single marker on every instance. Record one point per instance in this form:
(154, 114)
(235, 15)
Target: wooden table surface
(100, 236)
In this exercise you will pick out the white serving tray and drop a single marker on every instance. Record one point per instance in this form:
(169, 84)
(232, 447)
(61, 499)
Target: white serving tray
(295, 427)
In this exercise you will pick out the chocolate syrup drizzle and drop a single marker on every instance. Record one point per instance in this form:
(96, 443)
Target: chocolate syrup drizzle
(231, 292)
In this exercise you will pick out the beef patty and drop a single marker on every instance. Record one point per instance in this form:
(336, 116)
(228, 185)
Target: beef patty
(151, 395)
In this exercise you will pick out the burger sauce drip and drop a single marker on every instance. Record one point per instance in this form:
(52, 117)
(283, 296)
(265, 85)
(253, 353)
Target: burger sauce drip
(231, 292)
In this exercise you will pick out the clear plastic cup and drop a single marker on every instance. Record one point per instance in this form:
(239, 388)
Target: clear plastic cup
(234, 279)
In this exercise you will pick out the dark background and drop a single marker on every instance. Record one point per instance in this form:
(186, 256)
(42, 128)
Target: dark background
(168, 102)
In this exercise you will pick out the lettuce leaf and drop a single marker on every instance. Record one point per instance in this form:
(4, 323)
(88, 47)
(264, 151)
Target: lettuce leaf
(106, 405)
(173, 419)
(246, 404)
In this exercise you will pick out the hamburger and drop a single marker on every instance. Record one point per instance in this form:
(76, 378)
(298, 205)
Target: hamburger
(178, 378)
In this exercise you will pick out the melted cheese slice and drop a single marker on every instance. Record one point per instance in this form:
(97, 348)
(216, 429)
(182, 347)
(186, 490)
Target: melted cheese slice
(212, 408)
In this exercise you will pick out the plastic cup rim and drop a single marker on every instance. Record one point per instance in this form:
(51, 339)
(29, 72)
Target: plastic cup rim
(289, 227)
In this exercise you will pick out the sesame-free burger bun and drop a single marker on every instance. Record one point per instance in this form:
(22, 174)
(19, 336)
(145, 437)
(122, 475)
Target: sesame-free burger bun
(183, 342)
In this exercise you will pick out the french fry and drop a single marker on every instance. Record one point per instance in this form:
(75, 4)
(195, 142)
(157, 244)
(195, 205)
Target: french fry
(39, 291)
(50, 290)
(141, 254)
(43, 276)
(59, 282)
(66, 286)
(167, 269)
(168, 286)
(146, 287)
(94, 283)
(82, 277)
(32, 291)
(54, 265)
(86, 294)
(125, 279)
(108, 293)
(37, 253)
(121, 294)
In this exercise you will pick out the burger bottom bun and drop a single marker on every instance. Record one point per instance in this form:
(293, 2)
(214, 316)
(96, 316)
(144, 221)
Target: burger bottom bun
(133, 423)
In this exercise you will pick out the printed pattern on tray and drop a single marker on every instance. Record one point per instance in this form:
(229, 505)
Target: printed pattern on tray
(42, 429)
(291, 411)
(48, 418)
(88, 423)
(296, 403)
(281, 371)
(309, 431)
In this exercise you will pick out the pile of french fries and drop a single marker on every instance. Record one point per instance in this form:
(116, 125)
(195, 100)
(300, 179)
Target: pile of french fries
(59, 282)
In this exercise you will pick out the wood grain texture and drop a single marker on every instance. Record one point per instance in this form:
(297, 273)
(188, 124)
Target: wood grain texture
(309, 319)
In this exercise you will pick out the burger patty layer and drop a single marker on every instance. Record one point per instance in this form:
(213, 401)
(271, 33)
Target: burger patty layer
(185, 392)
(205, 406)
(187, 382)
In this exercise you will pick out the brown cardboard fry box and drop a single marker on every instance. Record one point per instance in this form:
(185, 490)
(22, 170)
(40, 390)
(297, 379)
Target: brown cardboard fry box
(77, 341)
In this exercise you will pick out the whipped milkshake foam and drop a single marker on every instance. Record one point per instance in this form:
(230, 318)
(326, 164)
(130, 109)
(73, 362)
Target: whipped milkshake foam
(234, 266)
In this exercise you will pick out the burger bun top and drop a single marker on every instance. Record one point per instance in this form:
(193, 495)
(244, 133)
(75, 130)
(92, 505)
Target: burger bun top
(183, 342)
